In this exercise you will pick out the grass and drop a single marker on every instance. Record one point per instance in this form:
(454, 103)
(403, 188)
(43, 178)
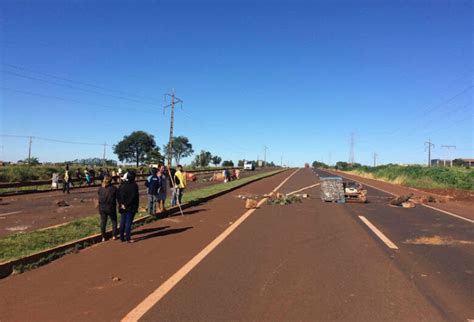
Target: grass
(421, 176)
(23, 244)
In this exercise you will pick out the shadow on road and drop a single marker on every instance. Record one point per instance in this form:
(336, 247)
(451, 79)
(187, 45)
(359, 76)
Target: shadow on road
(192, 212)
(163, 233)
(149, 230)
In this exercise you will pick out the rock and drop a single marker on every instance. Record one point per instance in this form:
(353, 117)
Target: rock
(305, 195)
(408, 204)
(62, 203)
(250, 204)
(399, 200)
(116, 279)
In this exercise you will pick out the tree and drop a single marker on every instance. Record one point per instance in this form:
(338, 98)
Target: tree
(32, 161)
(317, 164)
(202, 159)
(458, 162)
(155, 157)
(216, 160)
(181, 148)
(228, 164)
(135, 147)
(240, 163)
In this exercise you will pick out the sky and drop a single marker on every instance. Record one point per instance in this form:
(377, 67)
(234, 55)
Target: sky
(299, 77)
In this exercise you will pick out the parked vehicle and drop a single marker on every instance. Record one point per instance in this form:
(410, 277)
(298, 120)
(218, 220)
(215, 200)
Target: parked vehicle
(248, 165)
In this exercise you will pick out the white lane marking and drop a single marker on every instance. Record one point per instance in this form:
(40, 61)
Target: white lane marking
(379, 234)
(449, 213)
(141, 309)
(305, 188)
(10, 213)
(427, 206)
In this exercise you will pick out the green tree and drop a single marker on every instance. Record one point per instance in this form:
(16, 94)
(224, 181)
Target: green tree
(202, 159)
(155, 157)
(228, 163)
(182, 148)
(32, 161)
(240, 163)
(135, 147)
(216, 160)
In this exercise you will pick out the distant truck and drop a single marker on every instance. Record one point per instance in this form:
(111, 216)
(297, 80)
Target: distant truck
(306, 165)
(248, 165)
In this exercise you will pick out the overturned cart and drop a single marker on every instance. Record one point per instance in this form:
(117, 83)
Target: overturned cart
(333, 189)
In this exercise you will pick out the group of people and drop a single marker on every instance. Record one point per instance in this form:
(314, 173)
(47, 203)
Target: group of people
(88, 176)
(231, 175)
(126, 198)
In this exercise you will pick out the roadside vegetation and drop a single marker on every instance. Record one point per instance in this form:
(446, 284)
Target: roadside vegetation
(23, 244)
(416, 176)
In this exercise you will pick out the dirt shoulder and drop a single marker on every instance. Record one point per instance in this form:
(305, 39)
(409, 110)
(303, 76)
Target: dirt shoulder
(461, 206)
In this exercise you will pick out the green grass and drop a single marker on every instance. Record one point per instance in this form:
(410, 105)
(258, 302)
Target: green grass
(23, 244)
(421, 176)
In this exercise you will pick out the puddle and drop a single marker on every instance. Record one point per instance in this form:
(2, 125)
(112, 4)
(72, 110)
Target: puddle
(437, 240)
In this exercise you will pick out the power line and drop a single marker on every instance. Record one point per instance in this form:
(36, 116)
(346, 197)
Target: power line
(428, 146)
(75, 101)
(75, 87)
(51, 140)
(79, 82)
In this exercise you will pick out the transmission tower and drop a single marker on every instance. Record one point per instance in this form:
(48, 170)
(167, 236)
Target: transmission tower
(351, 152)
(448, 156)
(429, 146)
(174, 100)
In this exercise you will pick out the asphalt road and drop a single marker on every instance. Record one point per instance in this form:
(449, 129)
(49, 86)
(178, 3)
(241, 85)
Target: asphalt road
(305, 261)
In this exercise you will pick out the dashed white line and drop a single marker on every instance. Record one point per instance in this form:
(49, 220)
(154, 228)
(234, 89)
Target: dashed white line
(379, 234)
(141, 309)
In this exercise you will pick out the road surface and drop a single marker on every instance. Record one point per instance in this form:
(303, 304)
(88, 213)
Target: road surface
(305, 261)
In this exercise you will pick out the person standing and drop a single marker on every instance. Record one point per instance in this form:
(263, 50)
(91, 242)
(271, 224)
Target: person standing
(108, 206)
(55, 181)
(128, 199)
(153, 186)
(162, 189)
(66, 180)
(79, 176)
(180, 185)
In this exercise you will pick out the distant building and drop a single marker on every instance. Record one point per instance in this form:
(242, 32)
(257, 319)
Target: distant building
(447, 163)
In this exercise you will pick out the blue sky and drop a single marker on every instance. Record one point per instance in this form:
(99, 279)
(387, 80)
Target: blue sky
(298, 77)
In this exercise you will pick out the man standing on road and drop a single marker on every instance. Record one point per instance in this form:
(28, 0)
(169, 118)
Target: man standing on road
(152, 184)
(180, 185)
(108, 206)
(163, 189)
(128, 200)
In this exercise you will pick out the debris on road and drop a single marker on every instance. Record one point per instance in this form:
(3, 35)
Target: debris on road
(332, 189)
(62, 203)
(251, 203)
(355, 192)
(398, 201)
(116, 279)
(437, 241)
(408, 204)
(284, 200)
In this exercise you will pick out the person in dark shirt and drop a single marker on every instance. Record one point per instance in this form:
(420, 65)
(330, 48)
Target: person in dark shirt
(128, 200)
(108, 206)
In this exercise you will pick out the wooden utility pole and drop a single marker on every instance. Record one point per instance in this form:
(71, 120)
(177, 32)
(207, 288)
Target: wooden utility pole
(375, 159)
(103, 156)
(29, 150)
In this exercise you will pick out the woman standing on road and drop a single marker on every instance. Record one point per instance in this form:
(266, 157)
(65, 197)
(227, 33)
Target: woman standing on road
(128, 199)
(108, 206)
(163, 189)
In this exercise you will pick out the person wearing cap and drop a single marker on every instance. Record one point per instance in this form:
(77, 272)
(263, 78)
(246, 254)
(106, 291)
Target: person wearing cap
(128, 199)
(108, 206)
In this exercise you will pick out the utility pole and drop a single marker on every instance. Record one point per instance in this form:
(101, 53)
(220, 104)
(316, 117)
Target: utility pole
(265, 148)
(281, 161)
(103, 156)
(29, 150)
(375, 159)
(429, 145)
(174, 100)
(351, 152)
(447, 147)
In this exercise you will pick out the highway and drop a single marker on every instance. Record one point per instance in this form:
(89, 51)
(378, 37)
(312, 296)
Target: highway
(310, 261)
